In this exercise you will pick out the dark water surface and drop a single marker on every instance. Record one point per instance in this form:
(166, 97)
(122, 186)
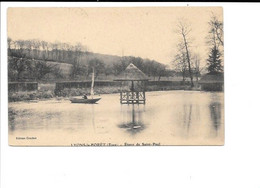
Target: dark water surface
(167, 118)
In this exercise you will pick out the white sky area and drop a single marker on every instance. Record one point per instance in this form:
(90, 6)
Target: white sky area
(144, 32)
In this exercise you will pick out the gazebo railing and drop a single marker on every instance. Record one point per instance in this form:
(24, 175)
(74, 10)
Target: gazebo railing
(132, 97)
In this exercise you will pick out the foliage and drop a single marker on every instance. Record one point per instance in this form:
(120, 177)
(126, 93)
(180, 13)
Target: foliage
(214, 61)
(77, 71)
(78, 56)
(150, 67)
(215, 41)
(183, 30)
(20, 69)
(97, 65)
(215, 37)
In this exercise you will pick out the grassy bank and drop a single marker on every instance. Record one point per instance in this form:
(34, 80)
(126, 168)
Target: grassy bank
(46, 91)
(26, 96)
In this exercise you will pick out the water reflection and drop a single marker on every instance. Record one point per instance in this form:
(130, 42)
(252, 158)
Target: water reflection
(192, 117)
(93, 117)
(187, 115)
(215, 114)
(11, 119)
(132, 120)
(18, 118)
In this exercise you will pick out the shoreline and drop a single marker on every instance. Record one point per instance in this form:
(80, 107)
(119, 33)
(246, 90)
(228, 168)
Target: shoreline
(67, 93)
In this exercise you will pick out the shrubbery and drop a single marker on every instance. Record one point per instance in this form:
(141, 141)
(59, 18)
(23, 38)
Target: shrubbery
(25, 96)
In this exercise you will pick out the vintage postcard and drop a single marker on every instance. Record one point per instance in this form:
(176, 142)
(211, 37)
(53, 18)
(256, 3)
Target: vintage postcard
(125, 76)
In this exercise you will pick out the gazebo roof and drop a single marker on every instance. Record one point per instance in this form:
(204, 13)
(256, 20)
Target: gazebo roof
(132, 73)
(212, 78)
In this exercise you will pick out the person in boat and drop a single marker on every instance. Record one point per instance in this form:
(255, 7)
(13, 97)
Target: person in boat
(85, 96)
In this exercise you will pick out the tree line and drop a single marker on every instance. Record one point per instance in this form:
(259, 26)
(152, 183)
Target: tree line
(28, 60)
(187, 62)
(47, 51)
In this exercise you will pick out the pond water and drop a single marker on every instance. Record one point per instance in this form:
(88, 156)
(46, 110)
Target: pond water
(167, 118)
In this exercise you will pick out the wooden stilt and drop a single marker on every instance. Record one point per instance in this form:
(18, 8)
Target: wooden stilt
(127, 97)
(144, 96)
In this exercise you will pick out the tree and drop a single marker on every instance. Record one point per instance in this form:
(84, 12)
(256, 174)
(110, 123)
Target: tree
(21, 46)
(183, 29)
(120, 66)
(9, 43)
(36, 44)
(28, 46)
(57, 72)
(16, 66)
(27, 69)
(45, 50)
(180, 64)
(216, 31)
(54, 47)
(214, 61)
(42, 68)
(108, 70)
(180, 61)
(197, 68)
(78, 70)
(215, 41)
(160, 70)
(98, 66)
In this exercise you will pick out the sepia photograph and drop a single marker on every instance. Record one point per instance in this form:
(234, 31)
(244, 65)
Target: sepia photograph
(115, 76)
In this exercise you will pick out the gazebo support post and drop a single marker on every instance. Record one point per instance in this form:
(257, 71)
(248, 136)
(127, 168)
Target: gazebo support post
(127, 97)
(144, 96)
(132, 92)
(121, 97)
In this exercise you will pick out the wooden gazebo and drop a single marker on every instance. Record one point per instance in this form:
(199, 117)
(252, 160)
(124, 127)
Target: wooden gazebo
(136, 93)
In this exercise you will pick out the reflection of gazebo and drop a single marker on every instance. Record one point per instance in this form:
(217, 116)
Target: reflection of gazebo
(135, 124)
(134, 95)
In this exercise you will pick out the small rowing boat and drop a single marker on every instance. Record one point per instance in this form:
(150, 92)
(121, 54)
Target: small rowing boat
(85, 99)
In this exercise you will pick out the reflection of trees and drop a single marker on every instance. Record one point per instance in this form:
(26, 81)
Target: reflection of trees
(187, 115)
(93, 116)
(215, 114)
(11, 119)
(135, 124)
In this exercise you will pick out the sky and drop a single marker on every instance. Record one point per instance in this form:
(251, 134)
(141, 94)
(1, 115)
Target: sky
(147, 32)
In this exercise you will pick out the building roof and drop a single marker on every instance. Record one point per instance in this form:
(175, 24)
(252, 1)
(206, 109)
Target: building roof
(132, 73)
(212, 78)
